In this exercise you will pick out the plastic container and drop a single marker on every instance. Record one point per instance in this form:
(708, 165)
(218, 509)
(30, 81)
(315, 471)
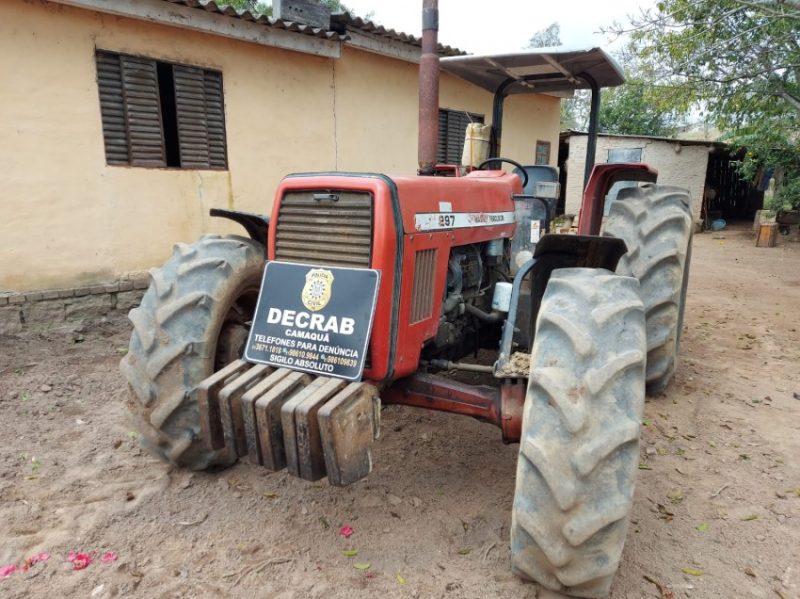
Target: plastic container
(476, 144)
(501, 300)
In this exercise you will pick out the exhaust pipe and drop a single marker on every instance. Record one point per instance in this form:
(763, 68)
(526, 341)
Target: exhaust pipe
(429, 89)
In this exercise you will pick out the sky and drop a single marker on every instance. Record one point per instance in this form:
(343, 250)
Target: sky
(497, 26)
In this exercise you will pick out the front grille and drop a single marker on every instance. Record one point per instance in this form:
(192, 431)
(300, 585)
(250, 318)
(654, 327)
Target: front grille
(325, 231)
(422, 286)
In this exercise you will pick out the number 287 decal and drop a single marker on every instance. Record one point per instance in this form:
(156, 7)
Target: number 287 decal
(432, 221)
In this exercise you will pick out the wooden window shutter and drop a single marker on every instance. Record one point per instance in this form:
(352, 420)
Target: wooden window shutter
(112, 107)
(201, 117)
(143, 107)
(441, 148)
(190, 106)
(452, 128)
(215, 116)
(456, 127)
(158, 114)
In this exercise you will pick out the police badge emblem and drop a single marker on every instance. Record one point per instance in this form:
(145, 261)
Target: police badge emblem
(317, 290)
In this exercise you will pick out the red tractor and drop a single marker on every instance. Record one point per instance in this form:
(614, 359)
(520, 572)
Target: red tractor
(373, 284)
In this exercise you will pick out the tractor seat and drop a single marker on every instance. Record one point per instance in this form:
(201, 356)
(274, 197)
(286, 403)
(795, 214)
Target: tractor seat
(536, 173)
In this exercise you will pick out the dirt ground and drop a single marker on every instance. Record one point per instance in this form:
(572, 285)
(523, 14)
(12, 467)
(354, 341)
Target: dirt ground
(717, 510)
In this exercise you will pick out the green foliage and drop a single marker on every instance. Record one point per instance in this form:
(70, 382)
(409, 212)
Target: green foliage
(575, 111)
(255, 7)
(638, 107)
(265, 8)
(634, 109)
(740, 61)
(788, 196)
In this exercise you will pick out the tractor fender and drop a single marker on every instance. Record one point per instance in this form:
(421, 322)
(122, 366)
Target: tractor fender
(570, 251)
(552, 252)
(256, 225)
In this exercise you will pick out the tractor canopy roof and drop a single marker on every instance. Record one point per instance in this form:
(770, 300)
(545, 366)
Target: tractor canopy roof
(556, 70)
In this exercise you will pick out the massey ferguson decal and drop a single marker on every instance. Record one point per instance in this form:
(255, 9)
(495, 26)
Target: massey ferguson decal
(436, 221)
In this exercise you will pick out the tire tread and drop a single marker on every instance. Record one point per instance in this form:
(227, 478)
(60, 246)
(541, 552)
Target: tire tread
(171, 347)
(655, 221)
(575, 476)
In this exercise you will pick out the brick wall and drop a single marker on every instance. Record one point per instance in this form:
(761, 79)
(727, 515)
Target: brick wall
(681, 165)
(52, 307)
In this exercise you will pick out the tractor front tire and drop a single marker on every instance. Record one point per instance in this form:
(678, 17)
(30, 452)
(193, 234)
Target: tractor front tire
(579, 448)
(193, 320)
(655, 221)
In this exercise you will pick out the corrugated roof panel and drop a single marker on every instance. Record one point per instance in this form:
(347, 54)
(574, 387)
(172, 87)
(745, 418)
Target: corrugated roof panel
(340, 23)
(343, 21)
(228, 11)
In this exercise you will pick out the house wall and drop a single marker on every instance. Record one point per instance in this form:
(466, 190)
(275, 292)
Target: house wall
(376, 114)
(68, 219)
(684, 168)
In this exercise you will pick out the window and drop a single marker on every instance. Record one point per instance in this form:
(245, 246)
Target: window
(542, 152)
(624, 155)
(618, 155)
(452, 128)
(159, 114)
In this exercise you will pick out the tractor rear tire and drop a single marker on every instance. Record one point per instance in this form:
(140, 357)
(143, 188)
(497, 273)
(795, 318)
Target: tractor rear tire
(192, 321)
(579, 448)
(655, 221)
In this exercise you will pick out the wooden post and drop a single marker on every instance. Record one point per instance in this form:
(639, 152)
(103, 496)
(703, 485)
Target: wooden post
(767, 235)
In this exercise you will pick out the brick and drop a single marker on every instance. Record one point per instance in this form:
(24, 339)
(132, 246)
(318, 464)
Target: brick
(3, 300)
(81, 291)
(129, 299)
(10, 320)
(112, 288)
(34, 296)
(93, 306)
(18, 298)
(97, 289)
(43, 313)
(141, 283)
(125, 285)
(51, 294)
(66, 293)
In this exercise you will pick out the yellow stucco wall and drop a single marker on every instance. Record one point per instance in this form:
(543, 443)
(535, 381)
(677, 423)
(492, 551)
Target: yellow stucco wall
(67, 219)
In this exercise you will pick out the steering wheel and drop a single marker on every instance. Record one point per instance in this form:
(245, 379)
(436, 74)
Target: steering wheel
(523, 174)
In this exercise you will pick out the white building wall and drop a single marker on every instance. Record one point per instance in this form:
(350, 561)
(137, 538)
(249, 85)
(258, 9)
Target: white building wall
(677, 164)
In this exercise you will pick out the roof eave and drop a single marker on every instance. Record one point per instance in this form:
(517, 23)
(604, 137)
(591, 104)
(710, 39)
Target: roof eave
(217, 20)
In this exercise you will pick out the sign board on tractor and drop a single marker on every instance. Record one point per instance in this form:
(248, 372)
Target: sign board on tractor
(314, 319)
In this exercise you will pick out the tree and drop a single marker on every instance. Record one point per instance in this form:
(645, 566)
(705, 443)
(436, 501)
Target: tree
(638, 107)
(546, 38)
(255, 7)
(630, 110)
(575, 111)
(738, 58)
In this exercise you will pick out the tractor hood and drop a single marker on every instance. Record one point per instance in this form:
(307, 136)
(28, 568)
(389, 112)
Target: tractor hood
(543, 70)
